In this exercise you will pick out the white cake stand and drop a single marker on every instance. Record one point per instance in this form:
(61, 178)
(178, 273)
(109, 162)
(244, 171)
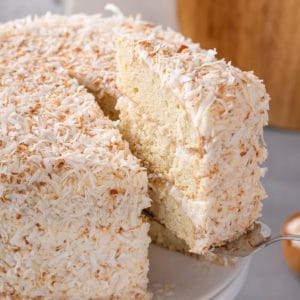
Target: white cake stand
(176, 276)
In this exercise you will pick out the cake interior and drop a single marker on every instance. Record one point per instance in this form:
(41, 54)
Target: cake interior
(207, 186)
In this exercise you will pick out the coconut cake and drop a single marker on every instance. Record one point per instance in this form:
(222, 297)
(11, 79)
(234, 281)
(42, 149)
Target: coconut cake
(196, 122)
(81, 49)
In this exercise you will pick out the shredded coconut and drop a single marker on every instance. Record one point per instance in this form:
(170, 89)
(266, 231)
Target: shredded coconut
(71, 192)
(65, 173)
(221, 158)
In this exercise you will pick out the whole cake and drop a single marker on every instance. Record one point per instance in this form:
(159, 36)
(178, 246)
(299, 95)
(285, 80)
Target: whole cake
(71, 191)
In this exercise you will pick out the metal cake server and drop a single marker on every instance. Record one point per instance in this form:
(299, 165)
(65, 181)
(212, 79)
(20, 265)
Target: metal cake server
(251, 242)
(248, 243)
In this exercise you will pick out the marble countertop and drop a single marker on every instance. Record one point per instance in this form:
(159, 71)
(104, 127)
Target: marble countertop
(269, 277)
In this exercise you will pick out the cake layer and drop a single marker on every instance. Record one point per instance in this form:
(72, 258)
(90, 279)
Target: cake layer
(146, 139)
(189, 93)
(164, 237)
(201, 223)
(207, 218)
(187, 169)
(218, 182)
(71, 192)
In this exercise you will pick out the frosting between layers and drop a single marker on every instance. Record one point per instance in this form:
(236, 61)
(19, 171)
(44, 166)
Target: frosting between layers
(202, 214)
(225, 206)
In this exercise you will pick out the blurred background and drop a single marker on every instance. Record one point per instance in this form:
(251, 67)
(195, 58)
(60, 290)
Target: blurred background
(263, 36)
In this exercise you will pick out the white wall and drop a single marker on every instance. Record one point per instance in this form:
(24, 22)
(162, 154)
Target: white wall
(12, 9)
(156, 11)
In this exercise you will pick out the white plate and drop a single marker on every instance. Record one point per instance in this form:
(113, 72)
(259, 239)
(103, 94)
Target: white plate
(176, 276)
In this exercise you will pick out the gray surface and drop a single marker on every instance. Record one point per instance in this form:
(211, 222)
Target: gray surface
(269, 277)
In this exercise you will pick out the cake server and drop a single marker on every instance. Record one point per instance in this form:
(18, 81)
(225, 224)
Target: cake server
(251, 242)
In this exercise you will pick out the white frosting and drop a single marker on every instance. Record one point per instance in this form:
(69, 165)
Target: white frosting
(71, 192)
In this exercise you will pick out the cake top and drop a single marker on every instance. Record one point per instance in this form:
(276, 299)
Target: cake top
(52, 131)
(85, 46)
(82, 44)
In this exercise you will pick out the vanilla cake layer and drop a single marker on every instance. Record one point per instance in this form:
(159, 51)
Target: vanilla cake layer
(164, 237)
(219, 180)
(199, 223)
(185, 167)
(71, 192)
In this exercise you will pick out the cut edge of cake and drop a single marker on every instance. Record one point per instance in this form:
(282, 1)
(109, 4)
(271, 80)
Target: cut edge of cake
(209, 117)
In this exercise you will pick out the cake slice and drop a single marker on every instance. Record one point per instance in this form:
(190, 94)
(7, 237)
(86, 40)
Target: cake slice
(196, 123)
(71, 192)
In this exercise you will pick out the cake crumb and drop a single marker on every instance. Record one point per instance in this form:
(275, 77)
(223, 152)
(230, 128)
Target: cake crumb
(162, 291)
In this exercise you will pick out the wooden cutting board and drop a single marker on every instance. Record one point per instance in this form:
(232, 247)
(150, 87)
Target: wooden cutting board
(259, 35)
